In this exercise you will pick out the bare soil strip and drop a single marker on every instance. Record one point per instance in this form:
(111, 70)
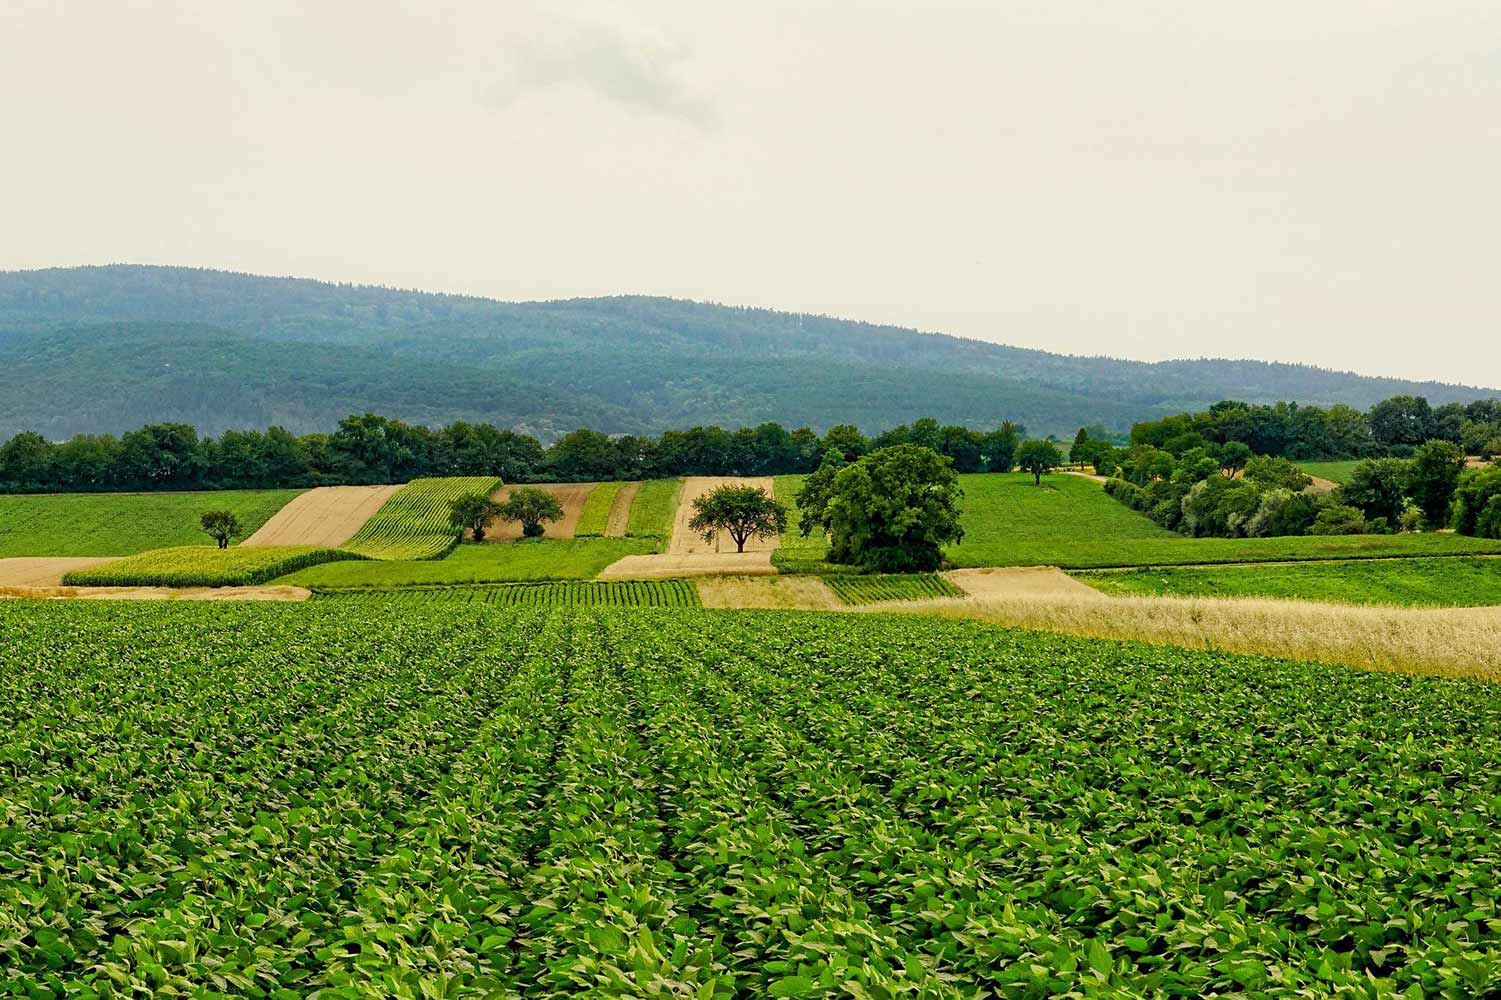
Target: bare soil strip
(570, 495)
(620, 511)
(43, 571)
(326, 517)
(1020, 581)
(1322, 485)
(685, 541)
(801, 593)
(277, 593)
(670, 566)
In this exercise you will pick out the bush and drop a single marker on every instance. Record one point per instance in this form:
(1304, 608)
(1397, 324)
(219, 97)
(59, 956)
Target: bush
(1476, 510)
(1338, 519)
(1282, 512)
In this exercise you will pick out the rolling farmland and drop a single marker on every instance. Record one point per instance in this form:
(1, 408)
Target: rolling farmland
(413, 523)
(196, 566)
(122, 524)
(636, 802)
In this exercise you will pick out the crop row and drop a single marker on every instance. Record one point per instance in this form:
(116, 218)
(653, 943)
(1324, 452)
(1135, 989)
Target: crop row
(531, 802)
(561, 594)
(205, 566)
(875, 587)
(413, 523)
(594, 519)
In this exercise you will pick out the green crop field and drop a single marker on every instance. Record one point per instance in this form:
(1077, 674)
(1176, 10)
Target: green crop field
(413, 524)
(1457, 582)
(311, 799)
(653, 511)
(121, 524)
(875, 587)
(572, 594)
(1070, 522)
(1335, 472)
(197, 566)
(538, 559)
(595, 517)
(795, 553)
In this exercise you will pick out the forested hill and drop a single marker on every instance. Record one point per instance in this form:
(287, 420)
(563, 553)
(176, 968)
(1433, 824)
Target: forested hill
(104, 349)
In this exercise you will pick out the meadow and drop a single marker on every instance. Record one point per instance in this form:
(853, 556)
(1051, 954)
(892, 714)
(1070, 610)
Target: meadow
(499, 562)
(1335, 472)
(532, 802)
(1457, 582)
(595, 517)
(122, 524)
(653, 510)
(196, 566)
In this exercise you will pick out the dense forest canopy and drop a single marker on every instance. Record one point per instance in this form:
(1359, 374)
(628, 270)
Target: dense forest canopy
(106, 349)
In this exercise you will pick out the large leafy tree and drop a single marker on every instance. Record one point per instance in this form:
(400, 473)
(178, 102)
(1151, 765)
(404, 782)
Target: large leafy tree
(1038, 458)
(531, 506)
(742, 512)
(473, 511)
(1378, 487)
(1436, 467)
(893, 510)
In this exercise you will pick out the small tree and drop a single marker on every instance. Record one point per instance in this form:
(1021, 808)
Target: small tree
(1039, 458)
(531, 507)
(741, 512)
(1234, 456)
(473, 511)
(222, 525)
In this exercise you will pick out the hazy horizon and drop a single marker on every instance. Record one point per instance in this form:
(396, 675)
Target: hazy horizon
(1279, 183)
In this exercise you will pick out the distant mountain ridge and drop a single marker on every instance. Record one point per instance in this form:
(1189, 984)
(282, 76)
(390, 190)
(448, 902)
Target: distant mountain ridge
(105, 349)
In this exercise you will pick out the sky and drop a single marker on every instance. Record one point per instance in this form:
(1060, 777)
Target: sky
(1293, 181)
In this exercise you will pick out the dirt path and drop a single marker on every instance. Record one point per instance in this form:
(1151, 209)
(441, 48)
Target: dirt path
(327, 516)
(570, 495)
(670, 566)
(1020, 581)
(43, 571)
(1092, 477)
(279, 593)
(620, 511)
(687, 542)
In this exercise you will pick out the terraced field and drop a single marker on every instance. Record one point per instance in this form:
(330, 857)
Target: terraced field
(877, 587)
(580, 594)
(196, 566)
(523, 802)
(413, 523)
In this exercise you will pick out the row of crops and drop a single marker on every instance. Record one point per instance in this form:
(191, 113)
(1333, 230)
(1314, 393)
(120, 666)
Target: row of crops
(876, 587)
(562, 594)
(290, 800)
(204, 566)
(414, 524)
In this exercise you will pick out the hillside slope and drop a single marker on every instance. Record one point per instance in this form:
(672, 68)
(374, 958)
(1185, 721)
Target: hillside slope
(107, 348)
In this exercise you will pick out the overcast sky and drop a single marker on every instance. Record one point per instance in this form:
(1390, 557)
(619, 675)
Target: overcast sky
(1315, 182)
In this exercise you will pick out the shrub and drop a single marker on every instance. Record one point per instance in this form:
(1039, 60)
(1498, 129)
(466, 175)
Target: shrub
(1476, 509)
(1282, 512)
(1338, 519)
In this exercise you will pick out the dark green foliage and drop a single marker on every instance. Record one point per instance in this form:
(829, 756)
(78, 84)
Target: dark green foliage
(1038, 458)
(1276, 474)
(472, 512)
(1338, 519)
(357, 798)
(220, 525)
(742, 512)
(1436, 467)
(531, 507)
(1477, 503)
(1379, 487)
(892, 510)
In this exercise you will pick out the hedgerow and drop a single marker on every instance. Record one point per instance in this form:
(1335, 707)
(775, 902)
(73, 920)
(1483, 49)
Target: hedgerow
(285, 801)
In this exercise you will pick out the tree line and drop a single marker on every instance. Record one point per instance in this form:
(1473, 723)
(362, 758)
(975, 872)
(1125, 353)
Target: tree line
(369, 448)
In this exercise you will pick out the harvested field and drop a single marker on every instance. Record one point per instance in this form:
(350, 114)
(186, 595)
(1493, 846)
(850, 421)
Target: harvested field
(1019, 581)
(44, 571)
(801, 593)
(278, 593)
(665, 567)
(1451, 642)
(572, 497)
(620, 510)
(325, 517)
(687, 542)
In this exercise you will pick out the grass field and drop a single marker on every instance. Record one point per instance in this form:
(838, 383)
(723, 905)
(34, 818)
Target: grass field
(122, 524)
(289, 800)
(413, 524)
(570, 594)
(796, 553)
(874, 588)
(197, 566)
(1335, 472)
(1458, 582)
(596, 514)
(653, 512)
(540, 559)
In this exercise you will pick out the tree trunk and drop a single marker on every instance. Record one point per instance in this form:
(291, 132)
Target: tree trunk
(224, 543)
(479, 533)
(1038, 477)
